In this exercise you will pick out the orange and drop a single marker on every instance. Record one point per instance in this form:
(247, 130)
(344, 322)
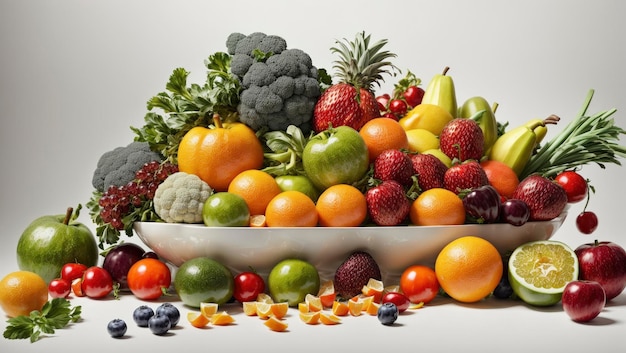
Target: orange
(502, 177)
(327, 293)
(341, 205)
(340, 308)
(276, 324)
(197, 319)
(218, 154)
(437, 206)
(256, 187)
(330, 319)
(22, 292)
(279, 310)
(382, 134)
(469, 268)
(291, 209)
(222, 319)
(311, 318)
(258, 221)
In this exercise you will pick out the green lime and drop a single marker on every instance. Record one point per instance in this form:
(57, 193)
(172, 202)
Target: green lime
(225, 209)
(291, 280)
(202, 279)
(540, 270)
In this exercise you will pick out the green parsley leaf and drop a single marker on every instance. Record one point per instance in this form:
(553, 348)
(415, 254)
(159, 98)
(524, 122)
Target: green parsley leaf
(55, 314)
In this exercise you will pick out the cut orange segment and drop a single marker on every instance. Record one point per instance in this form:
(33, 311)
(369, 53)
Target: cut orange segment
(340, 308)
(329, 319)
(416, 306)
(392, 288)
(279, 310)
(263, 310)
(275, 324)
(327, 294)
(311, 318)
(372, 309)
(249, 308)
(367, 301)
(197, 319)
(258, 220)
(264, 298)
(208, 309)
(222, 318)
(303, 307)
(314, 302)
(355, 307)
(374, 288)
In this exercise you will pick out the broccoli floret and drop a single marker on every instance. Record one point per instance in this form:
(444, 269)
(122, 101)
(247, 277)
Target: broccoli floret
(180, 198)
(118, 166)
(277, 91)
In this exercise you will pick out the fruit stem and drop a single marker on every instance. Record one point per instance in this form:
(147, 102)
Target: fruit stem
(68, 215)
(494, 107)
(445, 70)
(217, 121)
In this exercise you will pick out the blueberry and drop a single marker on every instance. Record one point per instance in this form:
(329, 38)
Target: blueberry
(503, 290)
(117, 328)
(387, 313)
(142, 314)
(170, 311)
(159, 324)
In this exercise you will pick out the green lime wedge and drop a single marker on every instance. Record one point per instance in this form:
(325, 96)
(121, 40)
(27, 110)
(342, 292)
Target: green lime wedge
(539, 271)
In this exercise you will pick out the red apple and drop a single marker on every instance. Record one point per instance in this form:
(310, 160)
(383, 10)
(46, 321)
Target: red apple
(605, 263)
(583, 300)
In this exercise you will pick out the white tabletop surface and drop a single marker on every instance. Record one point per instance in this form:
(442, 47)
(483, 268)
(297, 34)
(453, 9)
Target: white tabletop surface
(76, 74)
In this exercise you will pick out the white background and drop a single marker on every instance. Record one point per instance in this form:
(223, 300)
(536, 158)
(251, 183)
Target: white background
(75, 75)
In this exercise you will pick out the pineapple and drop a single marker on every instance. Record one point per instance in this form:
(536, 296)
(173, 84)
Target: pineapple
(351, 101)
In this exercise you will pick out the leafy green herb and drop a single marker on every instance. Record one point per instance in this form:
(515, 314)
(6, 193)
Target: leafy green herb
(55, 314)
(585, 140)
(285, 148)
(186, 106)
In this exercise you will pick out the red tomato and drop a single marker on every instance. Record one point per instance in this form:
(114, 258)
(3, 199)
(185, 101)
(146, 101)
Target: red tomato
(419, 284)
(97, 282)
(399, 299)
(413, 96)
(398, 107)
(72, 270)
(59, 288)
(574, 184)
(149, 278)
(248, 285)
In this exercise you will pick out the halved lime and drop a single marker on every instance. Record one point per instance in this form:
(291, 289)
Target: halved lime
(539, 271)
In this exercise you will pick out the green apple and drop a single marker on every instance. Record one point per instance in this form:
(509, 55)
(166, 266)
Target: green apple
(225, 209)
(50, 242)
(291, 280)
(299, 183)
(335, 156)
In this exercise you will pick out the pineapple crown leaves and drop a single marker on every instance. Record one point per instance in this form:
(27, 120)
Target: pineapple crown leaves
(362, 64)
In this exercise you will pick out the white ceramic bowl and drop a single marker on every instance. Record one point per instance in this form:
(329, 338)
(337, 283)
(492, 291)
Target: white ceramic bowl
(393, 248)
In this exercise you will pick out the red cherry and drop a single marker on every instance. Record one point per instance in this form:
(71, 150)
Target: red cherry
(587, 222)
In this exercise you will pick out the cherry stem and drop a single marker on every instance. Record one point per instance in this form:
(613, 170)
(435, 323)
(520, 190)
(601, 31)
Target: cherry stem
(68, 215)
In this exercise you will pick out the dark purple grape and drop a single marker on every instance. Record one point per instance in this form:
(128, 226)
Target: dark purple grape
(483, 204)
(119, 260)
(515, 212)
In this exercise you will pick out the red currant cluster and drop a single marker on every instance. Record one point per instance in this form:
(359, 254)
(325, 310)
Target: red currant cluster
(119, 201)
(406, 95)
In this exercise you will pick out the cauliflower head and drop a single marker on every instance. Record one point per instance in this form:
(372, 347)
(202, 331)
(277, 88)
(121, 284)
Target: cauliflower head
(118, 166)
(279, 85)
(180, 198)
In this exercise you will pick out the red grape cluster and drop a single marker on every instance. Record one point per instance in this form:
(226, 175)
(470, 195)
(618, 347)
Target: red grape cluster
(119, 201)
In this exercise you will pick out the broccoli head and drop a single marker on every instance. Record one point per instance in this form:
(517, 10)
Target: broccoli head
(118, 166)
(279, 86)
(180, 198)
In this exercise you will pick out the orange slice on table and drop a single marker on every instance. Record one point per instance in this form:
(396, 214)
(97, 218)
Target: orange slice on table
(276, 324)
(197, 319)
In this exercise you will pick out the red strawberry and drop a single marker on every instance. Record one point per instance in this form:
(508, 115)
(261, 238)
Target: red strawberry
(394, 165)
(339, 105)
(545, 197)
(387, 203)
(429, 170)
(465, 175)
(351, 101)
(462, 139)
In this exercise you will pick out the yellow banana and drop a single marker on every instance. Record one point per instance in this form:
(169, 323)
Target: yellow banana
(440, 91)
(516, 146)
(486, 120)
